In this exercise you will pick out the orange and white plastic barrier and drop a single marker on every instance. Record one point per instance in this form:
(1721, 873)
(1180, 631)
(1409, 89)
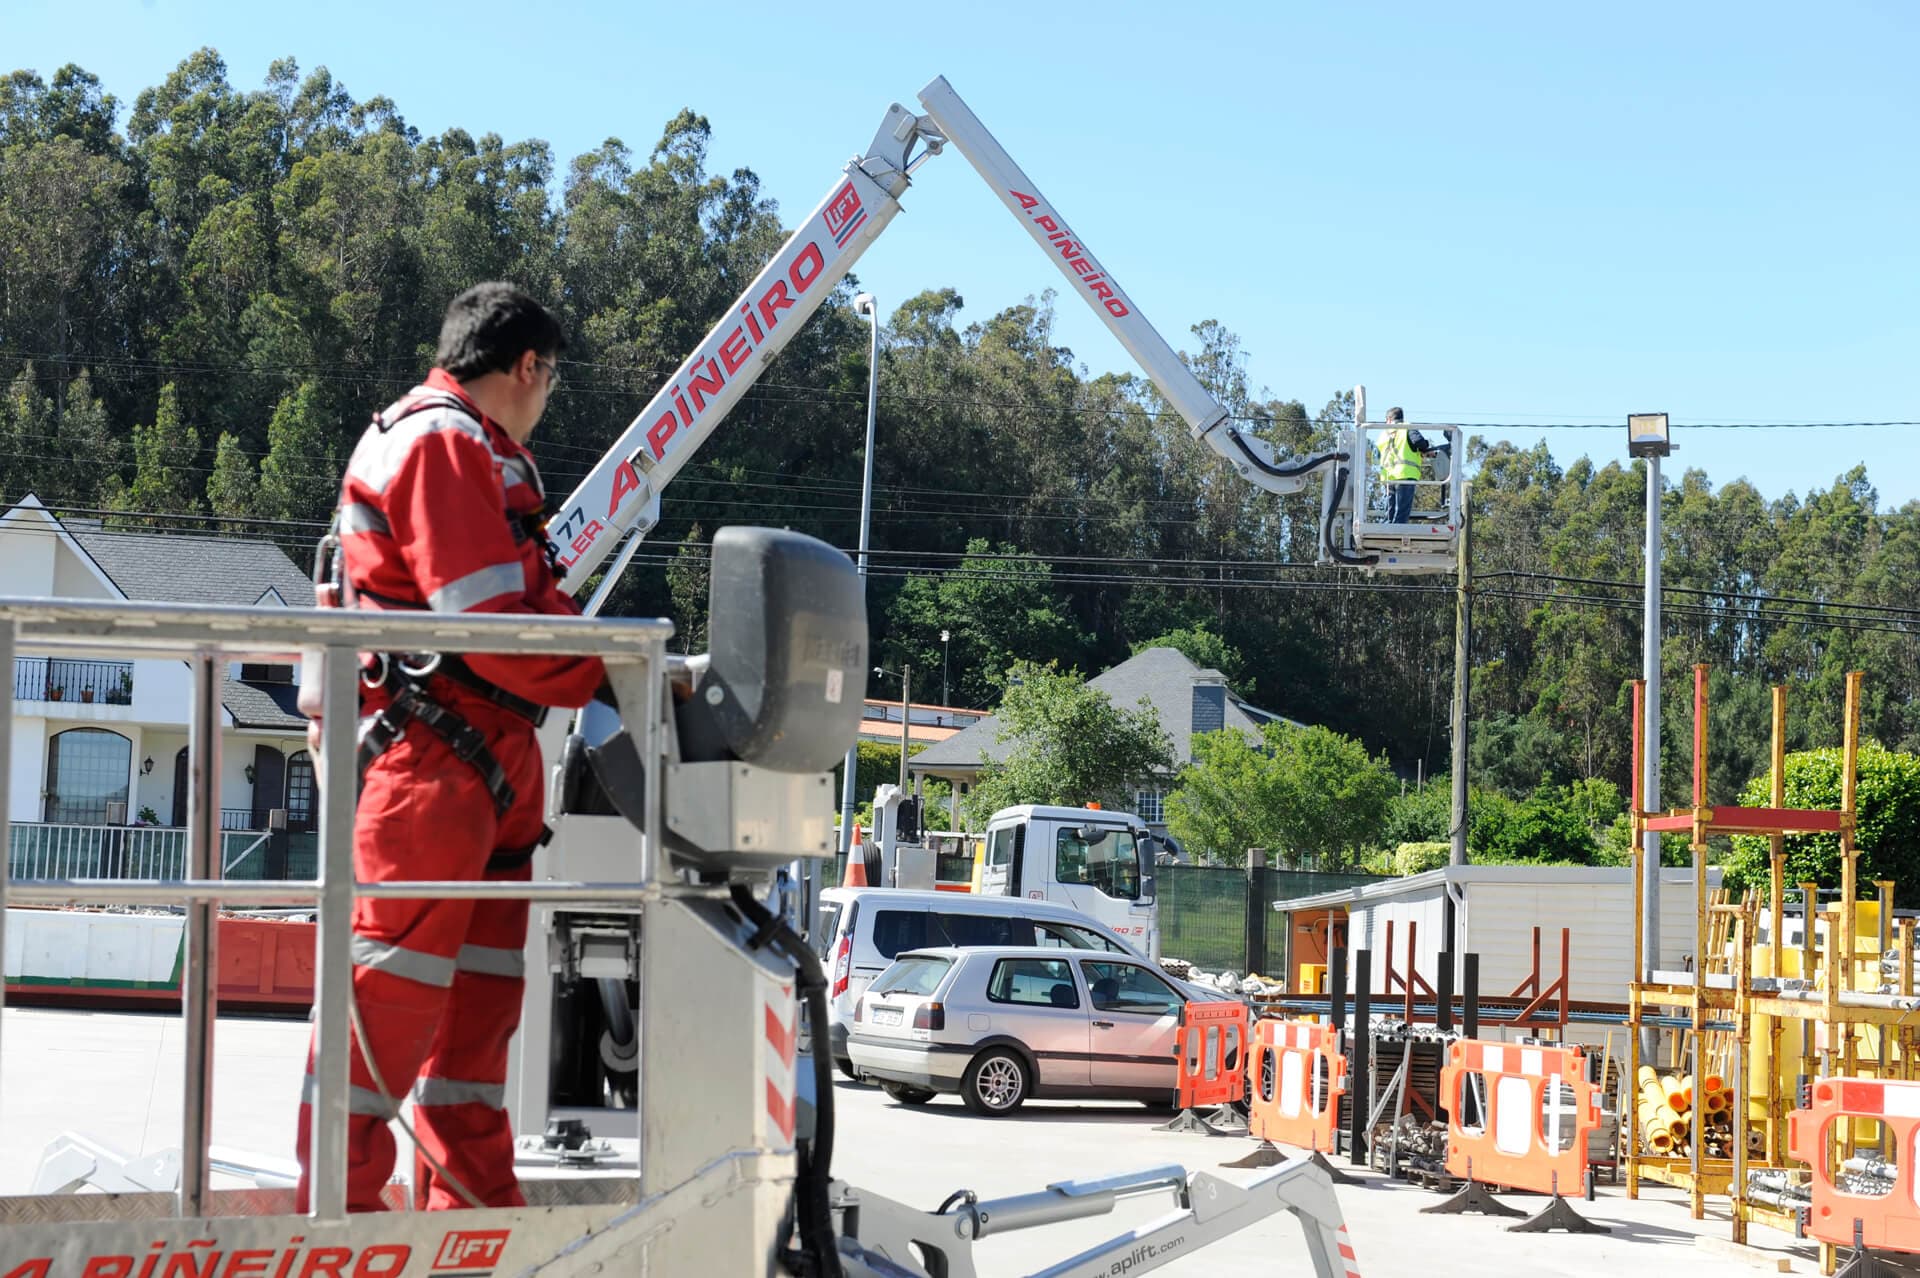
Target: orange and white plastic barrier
(1296, 1076)
(1890, 1221)
(1523, 1115)
(1212, 1050)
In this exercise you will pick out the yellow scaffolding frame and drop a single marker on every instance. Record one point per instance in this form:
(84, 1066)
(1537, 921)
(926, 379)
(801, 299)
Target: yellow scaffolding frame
(1829, 1018)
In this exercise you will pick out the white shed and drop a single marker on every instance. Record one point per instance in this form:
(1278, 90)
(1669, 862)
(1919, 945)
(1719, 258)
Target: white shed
(1497, 907)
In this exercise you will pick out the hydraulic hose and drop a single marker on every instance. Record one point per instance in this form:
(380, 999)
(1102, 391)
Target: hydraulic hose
(1326, 527)
(812, 1185)
(1305, 466)
(613, 1001)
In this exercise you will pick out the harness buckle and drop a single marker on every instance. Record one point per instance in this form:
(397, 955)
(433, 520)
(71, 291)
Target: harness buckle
(421, 670)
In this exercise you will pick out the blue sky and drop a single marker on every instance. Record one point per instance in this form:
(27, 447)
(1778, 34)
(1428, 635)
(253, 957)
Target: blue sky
(1486, 213)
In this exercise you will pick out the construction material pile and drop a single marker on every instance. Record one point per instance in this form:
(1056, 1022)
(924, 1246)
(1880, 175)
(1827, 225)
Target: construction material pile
(1671, 1110)
(1407, 1144)
(1252, 985)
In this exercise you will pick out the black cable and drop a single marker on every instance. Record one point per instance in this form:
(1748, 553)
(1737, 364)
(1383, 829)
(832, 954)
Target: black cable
(1326, 527)
(812, 1185)
(1305, 466)
(957, 1196)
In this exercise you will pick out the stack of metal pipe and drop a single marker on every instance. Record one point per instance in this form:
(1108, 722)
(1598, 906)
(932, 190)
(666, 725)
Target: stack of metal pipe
(1667, 1112)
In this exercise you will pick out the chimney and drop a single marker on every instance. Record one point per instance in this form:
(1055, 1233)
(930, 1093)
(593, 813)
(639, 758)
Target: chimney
(1209, 701)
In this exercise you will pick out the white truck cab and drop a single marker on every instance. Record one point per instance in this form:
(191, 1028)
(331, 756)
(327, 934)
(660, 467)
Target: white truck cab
(1088, 858)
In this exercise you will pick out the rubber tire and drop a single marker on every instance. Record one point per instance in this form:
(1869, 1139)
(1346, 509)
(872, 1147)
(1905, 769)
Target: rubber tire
(907, 1095)
(970, 1082)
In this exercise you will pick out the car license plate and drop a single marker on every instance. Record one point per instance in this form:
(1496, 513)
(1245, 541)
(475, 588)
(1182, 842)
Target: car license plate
(886, 1016)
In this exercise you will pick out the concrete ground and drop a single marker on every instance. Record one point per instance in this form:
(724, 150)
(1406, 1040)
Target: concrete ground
(117, 1077)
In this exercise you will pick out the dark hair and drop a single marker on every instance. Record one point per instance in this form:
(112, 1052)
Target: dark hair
(1395, 415)
(490, 326)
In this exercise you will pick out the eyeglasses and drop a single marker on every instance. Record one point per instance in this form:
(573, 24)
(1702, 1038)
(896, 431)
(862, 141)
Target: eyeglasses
(553, 373)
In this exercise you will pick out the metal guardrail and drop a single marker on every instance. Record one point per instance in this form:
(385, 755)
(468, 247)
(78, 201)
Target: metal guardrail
(327, 642)
(37, 851)
(82, 682)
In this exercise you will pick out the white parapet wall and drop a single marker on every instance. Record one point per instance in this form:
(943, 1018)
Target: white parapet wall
(92, 950)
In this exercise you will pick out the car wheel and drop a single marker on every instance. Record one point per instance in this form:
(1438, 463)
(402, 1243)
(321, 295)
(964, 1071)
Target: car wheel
(995, 1083)
(907, 1095)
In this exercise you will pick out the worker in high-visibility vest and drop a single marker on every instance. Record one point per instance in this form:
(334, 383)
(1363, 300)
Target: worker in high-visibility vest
(1400, 452)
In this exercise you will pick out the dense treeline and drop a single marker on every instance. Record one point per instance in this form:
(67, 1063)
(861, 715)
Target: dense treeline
(205, 292)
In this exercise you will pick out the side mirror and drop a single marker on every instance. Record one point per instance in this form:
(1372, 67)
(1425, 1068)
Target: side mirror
(1146, 888)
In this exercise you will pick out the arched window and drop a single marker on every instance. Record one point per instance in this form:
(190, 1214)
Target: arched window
(87, 768)
(300, 791)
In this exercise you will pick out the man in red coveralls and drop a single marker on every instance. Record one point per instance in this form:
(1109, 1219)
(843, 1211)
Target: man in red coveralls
(442, 510)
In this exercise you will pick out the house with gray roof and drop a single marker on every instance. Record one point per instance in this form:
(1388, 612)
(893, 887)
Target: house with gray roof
(99, 743)
(1189, 700)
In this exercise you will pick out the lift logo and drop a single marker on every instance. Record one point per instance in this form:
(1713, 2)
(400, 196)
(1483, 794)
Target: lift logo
(470, 1253)
(844, 215)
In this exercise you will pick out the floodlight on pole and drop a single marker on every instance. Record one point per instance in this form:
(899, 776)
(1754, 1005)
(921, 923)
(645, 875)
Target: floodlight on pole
(1647, 435)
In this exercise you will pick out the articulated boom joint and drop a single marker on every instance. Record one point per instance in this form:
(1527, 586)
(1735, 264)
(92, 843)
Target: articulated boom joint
(890, 159)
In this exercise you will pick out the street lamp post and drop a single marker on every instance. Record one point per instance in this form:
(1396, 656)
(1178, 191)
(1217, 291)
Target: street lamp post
(1648, 437)
(865, 305)
(946, 695)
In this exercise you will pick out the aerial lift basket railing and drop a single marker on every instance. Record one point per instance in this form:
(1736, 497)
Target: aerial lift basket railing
(708, 1196)
(1509, 1122)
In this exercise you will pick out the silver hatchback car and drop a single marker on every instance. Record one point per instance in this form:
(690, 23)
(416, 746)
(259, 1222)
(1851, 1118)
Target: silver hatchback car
(1004, 1023)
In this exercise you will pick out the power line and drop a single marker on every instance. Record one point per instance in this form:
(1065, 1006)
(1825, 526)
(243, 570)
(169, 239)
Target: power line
(823, 395)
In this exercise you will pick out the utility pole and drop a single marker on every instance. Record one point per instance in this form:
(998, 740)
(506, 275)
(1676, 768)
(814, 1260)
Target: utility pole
(1462, 670)
(867, 306)
(906, 714)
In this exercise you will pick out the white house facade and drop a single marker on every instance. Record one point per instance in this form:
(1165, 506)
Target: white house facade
(101, 745)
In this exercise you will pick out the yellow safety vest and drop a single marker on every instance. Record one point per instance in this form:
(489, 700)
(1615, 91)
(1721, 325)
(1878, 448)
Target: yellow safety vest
(1399, 463)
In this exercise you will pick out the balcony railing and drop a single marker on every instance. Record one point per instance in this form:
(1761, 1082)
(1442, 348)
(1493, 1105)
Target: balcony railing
(51, 679)
(236, 819)
(48, 851)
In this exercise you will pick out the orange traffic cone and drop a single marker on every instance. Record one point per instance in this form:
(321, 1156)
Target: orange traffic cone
(856, 875)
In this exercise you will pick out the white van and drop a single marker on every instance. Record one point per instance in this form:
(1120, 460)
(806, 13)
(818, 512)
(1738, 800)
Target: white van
(861, 929)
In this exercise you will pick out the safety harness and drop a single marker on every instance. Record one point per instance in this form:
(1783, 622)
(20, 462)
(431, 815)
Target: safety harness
(406, 677)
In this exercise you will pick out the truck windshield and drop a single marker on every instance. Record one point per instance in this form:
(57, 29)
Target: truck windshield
(1107, 859)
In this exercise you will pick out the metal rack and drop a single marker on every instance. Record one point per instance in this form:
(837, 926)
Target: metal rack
(1824, 999)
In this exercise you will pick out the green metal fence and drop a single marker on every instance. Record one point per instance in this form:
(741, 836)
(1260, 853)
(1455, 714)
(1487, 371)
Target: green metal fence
(1203, 911)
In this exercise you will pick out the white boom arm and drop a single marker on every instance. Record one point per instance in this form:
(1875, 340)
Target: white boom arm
(1253, 458)
(621, 494)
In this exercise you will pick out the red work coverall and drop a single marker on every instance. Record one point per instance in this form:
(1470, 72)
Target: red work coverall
(431, 518)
